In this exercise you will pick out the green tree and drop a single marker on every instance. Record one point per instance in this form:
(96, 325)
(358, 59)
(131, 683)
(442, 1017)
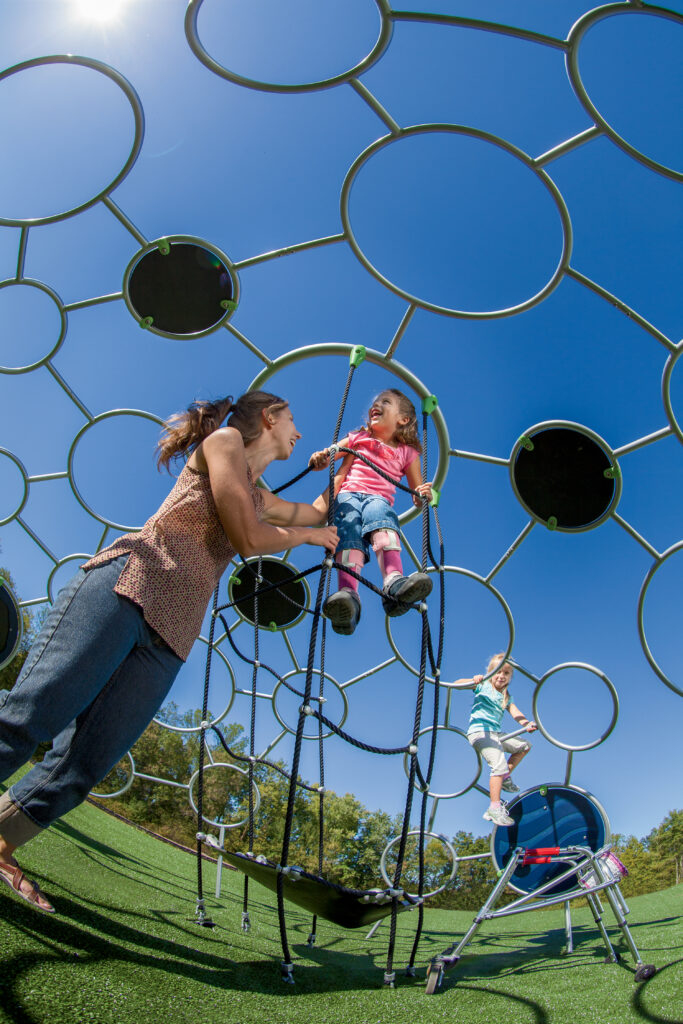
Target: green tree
(666, 842)
(10, 672)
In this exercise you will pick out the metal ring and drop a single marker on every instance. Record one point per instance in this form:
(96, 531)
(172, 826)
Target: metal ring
(78, 557)
(666, 391)
(199, 51)
(328, 678)
(389, 364)
(24, 476)
(72, 451)
(495, 140)
(465, 789)
(501, 601)
(641, 627)
(574, 39)
(124, 789)
(180, 240)
(30, 283)
(579, 429)
(133, 99)
(432, 835)
(232, 768)
(608, 684)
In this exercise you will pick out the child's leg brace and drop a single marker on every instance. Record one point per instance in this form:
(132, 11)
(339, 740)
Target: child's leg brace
(387, 546)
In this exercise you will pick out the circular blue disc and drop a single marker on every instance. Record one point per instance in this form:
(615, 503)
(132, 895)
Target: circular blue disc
(549, 816)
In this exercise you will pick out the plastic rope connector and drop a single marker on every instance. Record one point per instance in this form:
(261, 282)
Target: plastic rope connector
(246, 923)
(390, 978)
(612, 473)
(526, 442)
(229, 304)
(311, 939)
(235, 580)
(552, 523)
(146, 322)
(429, 404)
(435, 498)
(272, 626)
(164, 246)
(357, 355)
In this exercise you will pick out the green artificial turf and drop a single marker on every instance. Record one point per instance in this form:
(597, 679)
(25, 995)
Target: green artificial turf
(124, 947)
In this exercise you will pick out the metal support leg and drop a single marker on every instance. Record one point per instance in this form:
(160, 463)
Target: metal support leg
(568, 928)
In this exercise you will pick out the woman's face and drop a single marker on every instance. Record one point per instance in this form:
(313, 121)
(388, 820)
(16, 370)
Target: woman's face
(283, 432)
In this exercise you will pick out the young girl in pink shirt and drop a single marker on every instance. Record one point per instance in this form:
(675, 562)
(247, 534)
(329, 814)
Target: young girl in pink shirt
(364, 513)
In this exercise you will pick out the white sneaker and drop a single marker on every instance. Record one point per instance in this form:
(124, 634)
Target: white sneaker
(509, 786)
(499, 816)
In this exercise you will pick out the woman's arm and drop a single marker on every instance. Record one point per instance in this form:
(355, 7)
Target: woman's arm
(294, 513)
(223, 451)
(414, 478)
(520, 717)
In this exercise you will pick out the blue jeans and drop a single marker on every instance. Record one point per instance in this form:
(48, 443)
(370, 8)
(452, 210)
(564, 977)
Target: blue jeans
(92, 681)
(358, 515)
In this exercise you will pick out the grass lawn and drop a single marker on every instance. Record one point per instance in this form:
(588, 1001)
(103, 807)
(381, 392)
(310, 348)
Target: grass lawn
(123, 948)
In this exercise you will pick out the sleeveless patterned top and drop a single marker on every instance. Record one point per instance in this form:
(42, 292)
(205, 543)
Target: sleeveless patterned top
(176, 560)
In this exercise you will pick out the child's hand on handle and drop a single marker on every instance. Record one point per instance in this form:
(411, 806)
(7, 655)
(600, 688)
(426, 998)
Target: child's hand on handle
(324, 537)
(531, 727)
(425, 491)
(320, 460)
(477, 680)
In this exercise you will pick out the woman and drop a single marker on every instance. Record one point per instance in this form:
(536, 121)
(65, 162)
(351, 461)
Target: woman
(119, 631)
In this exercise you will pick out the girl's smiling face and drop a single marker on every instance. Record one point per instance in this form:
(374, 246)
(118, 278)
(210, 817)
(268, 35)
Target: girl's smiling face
(501, 677)
(385, 417)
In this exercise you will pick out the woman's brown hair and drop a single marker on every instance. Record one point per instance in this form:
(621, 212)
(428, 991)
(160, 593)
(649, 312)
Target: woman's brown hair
(184, 431)
(406, 434)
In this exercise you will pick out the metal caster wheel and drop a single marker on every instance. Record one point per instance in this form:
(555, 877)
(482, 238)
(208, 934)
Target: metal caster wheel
(435, 973)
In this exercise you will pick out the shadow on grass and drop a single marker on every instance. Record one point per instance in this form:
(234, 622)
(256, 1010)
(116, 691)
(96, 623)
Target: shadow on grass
(650, 988)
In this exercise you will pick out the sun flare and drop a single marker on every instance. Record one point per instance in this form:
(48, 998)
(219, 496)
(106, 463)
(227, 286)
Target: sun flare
(100, 11)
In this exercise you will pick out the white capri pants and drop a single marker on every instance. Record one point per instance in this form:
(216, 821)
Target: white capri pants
(493, 749)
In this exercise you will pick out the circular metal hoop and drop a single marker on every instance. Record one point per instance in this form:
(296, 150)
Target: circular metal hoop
(501, 600)
(136, 106)
(574, 39)
(78, 557)
(9, 644)
(177, 240)
(377, 359)
(72, 451)
(451, 129)
(24, 476)
(200, 52)
(30, 283)
(316, 673)
(578, 428)
(460, 792)
(432, 835)
(186, 729)
(250, 585)
(232, 768)
(124, 789)
(641, 626)
(615, 702)
(666, 391)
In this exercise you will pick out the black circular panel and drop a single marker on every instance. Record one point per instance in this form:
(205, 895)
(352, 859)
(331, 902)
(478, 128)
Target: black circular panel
(560, 475)
(180, 290)
(10, 625)
(274, 608)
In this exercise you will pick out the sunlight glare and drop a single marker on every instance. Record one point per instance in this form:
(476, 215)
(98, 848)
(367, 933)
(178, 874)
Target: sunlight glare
(101, 11)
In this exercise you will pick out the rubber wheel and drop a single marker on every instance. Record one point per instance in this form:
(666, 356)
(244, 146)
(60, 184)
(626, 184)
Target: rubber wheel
(645, 971)
(434, 976)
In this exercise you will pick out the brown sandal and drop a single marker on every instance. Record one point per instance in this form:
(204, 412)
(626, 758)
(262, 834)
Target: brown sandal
(14, 884)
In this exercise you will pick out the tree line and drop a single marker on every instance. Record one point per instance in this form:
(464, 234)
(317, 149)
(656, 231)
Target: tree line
(354, 837)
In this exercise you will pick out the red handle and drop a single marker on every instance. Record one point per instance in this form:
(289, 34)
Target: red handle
(543, 851)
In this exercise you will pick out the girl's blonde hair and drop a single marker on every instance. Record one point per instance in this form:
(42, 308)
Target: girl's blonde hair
(185, 431)
(496, 661)
(406, 434)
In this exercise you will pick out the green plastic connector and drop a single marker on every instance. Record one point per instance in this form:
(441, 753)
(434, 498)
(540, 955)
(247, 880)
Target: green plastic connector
(552, 523)
(229, 304)
(436, 497)
(526, 442)
(146, 322)
(429, 404)
(164, 246)
(235, 580)
(272, 626)
(357, 355)
(543, 791)
(499, 872)
(613, 473)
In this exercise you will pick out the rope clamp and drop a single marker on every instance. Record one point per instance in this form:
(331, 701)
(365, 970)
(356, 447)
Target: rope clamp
(332, 450)
(429, 404)
(291, 872)
(321, 790)
(201, 836)
(306, 709)
(422, 607)
(435, 498)
(328, 563)
(257, 664)
(412, 749)
(204, 724)
(357, 355)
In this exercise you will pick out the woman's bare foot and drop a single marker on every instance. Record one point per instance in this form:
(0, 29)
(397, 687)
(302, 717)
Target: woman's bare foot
(21, 887)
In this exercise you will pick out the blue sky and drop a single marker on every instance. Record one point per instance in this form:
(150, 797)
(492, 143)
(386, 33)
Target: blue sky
(447, 216)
